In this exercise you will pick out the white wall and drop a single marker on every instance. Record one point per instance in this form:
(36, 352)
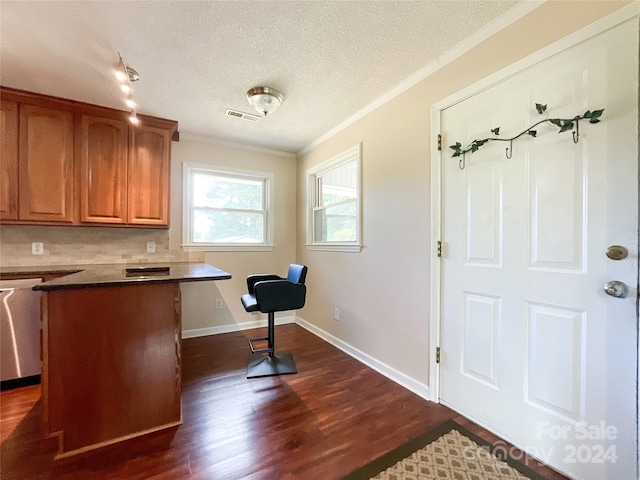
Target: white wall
(198, 299)
(383, 291)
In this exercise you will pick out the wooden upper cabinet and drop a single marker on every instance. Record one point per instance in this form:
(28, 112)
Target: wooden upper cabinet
(102, 154)
(148, 182)
(9, 161)
(71, 163)
(46, 165)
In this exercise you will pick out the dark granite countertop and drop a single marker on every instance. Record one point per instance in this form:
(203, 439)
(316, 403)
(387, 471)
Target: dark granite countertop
(113, 275)
(40, 270)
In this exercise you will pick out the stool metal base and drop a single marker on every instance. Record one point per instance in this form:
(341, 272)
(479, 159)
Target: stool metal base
(265, 365)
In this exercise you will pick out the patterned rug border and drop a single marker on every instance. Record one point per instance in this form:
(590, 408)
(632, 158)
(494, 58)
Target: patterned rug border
(389, 459)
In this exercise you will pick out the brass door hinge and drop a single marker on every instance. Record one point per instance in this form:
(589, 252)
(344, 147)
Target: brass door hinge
(437, 354)
(439, 248)
(439, 141)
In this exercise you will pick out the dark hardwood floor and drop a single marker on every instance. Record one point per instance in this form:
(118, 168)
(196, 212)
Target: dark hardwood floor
(327, 420)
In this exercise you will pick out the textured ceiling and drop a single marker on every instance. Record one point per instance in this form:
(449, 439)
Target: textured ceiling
(196, 59)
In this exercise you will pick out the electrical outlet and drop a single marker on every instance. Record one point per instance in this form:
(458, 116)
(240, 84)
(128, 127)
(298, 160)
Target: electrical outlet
(336, 313)
(151, 247)
(219, 304)
(37, 248)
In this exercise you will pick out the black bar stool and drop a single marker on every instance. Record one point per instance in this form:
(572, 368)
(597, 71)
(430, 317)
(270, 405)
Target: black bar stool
(268, 294)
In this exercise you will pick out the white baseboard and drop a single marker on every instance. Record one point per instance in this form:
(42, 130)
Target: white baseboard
(391, 373)
(234, 327)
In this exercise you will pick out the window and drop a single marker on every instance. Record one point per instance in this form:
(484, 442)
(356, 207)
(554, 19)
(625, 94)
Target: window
(334, 203)
(227, 209)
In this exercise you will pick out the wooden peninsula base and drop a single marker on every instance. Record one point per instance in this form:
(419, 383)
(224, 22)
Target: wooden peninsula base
(112, 364)
(111, 367)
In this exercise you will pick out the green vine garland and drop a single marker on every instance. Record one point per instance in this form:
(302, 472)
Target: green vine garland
(564, 124)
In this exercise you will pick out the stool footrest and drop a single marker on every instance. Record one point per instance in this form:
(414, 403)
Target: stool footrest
(260, 350)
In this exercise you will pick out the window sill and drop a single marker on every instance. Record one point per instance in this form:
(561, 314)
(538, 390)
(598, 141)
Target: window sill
(227, 248)
(335, 247)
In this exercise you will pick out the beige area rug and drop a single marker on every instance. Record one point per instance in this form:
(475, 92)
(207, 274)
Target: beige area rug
(448, 451)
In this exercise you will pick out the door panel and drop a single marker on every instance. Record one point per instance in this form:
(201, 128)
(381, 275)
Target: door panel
(103, 169)
(148, 184)
(483, 232)
(555, 360)
(530, 342)
(46, 164)
(480, 349)
(9, 161)
(556, 206)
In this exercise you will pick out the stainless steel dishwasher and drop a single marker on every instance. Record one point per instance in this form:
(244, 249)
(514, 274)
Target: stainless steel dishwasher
(19, 333)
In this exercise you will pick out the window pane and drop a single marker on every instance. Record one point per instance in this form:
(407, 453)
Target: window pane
(336, 224)
(227, 192)
(227, 227)
(339, 185)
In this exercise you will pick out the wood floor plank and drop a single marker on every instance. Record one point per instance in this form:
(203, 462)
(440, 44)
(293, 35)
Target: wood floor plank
(327, 420)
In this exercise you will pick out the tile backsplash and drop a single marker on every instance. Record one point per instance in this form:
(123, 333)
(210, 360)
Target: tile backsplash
(87, 245)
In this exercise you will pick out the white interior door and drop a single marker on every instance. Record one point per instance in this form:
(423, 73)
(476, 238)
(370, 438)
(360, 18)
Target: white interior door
(531, 346)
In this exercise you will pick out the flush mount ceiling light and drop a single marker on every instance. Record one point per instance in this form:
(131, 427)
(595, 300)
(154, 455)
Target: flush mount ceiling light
(265, 99)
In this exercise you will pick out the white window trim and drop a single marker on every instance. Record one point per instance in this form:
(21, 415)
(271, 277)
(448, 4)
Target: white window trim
(348, 156)
(187, 171)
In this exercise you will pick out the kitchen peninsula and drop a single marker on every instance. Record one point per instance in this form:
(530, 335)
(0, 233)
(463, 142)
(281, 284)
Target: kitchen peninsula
(111, 351)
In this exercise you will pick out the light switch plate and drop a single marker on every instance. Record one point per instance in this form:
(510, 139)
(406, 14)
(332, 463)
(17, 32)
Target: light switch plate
(151, 247)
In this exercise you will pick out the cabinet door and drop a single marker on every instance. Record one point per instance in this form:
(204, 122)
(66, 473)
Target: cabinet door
(102, 153)
(46, 165)
(148, 185)
(9, 161)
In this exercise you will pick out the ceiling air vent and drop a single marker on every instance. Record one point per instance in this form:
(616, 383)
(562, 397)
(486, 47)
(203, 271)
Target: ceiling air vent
(244, 116)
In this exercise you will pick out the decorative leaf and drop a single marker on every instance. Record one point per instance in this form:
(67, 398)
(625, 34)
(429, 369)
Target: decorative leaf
(533, 133)
(594, 116)
(541, 108)
(474, 147)
(495, 131)
(456, 149)
(568, 125)
(555, 121)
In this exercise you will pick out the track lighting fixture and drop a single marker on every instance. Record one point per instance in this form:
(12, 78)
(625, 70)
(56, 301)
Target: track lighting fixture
(126, 75)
